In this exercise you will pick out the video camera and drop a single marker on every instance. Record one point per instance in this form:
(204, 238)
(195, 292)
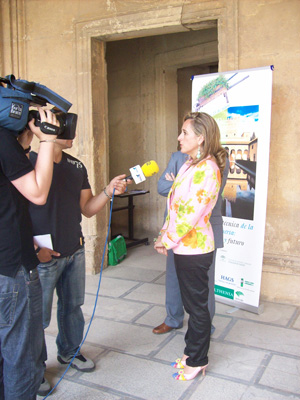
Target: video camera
(67, 124)
(19, 95)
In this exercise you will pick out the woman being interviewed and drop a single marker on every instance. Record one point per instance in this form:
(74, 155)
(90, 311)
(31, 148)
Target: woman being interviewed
(188, 232)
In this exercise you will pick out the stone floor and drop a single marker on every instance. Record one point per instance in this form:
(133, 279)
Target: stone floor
(251, 356)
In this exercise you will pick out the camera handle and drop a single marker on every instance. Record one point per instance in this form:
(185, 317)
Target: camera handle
(39, 91)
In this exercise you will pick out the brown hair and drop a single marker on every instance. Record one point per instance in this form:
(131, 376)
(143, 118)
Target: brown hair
(205, 125)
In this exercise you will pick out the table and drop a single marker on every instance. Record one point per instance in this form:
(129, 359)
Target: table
(130, 206)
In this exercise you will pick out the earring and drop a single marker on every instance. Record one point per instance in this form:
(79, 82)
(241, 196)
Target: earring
(198, 153)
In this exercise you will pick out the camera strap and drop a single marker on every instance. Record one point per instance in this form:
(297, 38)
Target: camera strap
(42, 92)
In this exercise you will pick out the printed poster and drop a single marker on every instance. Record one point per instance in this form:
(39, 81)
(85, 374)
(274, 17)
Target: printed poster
(240, 102)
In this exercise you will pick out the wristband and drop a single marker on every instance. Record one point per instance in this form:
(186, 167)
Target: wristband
(26, 151)
(46, 141)
(37, 250)
(106, 194)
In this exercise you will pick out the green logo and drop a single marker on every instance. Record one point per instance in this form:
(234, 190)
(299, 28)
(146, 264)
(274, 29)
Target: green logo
(239, 294)
(224, 292)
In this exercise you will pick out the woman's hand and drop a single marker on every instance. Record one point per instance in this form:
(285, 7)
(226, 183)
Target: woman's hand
(159, 247)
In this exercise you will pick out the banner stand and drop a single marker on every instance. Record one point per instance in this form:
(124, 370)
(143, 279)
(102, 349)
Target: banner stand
(240, 102)
(246, 307)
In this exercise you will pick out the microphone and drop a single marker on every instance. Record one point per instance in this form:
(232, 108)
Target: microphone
(139, 174)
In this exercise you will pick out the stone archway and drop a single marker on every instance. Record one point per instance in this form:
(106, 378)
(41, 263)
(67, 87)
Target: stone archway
(91, 37)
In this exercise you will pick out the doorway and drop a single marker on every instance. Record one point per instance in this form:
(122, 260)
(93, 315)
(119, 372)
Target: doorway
(149, 91)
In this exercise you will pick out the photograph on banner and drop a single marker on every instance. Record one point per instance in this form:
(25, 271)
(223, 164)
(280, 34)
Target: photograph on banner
(240, 102)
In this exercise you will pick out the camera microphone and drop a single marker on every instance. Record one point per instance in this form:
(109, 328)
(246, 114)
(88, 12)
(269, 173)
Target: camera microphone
(139, 174)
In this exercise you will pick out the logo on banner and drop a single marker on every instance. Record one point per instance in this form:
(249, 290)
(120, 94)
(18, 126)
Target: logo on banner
(224, 292)
(228, 279)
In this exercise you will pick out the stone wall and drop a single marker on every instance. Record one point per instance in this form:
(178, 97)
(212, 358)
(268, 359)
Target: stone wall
(63, 47)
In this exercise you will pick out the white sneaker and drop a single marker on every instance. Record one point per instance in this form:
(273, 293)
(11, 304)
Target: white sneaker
(80, 363)
(44, 388)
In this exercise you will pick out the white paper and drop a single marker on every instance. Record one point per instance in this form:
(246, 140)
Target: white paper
(44, 241)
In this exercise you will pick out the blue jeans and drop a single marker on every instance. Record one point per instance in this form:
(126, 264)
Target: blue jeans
(67, 276)
(21, 336)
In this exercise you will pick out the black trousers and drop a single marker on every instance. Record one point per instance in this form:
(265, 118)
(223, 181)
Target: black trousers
(192, 273)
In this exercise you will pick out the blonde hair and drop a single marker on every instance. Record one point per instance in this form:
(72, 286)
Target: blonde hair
(205, 125)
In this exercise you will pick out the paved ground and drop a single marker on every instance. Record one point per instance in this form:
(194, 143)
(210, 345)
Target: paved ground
(251, 356)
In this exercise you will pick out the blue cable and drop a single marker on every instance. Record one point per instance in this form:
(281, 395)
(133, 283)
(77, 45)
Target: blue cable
(100, 277)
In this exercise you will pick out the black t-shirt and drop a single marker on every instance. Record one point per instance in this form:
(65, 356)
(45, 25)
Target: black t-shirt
(61, 215)
(16, 242)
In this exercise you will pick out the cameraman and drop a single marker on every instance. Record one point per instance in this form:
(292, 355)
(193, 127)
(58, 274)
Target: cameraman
(63, 268)
(21, 330)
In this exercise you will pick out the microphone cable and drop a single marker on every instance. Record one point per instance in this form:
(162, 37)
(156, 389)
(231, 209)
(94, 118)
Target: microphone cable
(95, 305)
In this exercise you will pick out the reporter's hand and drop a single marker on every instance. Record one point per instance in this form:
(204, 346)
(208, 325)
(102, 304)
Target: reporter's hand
(25, 138)
(119, 184)
(45, 254)
(46, 116)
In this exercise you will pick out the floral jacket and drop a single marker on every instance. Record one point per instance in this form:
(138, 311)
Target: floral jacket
(194, 193)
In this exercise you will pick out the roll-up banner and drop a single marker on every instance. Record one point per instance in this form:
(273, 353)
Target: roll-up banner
(240, 102)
